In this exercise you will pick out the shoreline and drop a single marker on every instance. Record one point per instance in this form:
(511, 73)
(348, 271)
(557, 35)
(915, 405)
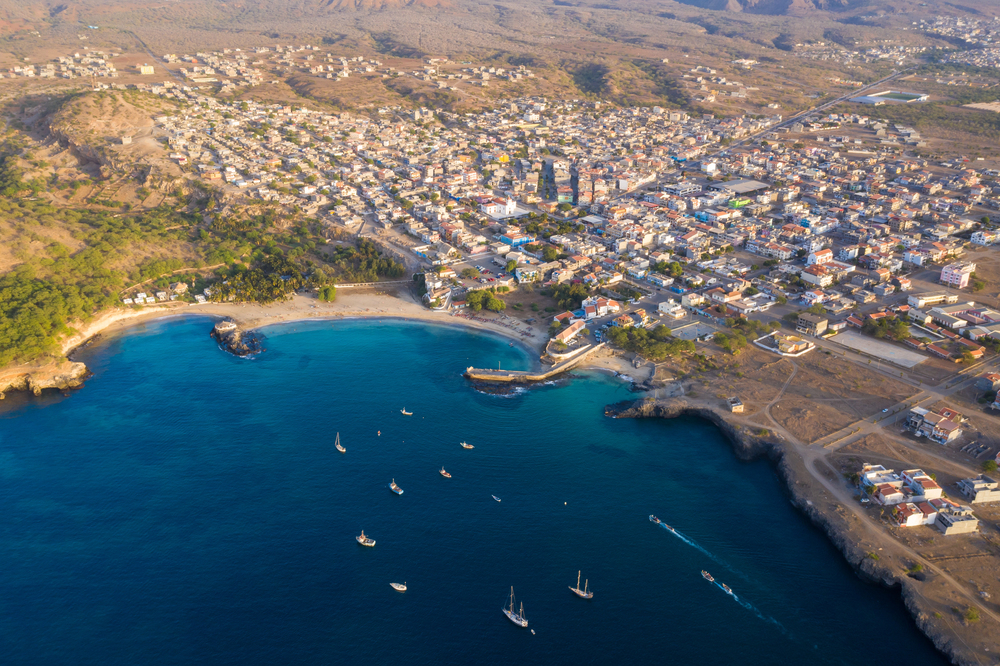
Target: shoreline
(808, 497)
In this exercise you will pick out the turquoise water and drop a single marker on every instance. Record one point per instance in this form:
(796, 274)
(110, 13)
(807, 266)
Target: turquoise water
(187, 506)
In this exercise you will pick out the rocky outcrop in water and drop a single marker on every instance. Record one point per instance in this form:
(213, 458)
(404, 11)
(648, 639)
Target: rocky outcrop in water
(235, 340)
(36, 378)
(811, 499)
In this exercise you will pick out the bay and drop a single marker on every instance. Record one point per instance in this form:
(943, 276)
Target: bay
(187, 506)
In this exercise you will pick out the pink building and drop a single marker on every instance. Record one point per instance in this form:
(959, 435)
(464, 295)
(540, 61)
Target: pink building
(957, 274)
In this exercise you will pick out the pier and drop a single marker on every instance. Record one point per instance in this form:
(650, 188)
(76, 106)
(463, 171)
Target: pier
(525, 376)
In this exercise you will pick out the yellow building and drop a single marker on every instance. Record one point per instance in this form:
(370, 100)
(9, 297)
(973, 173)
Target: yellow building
(145, 69)
(791, 344)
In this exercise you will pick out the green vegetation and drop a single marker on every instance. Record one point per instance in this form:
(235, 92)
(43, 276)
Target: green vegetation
(887, 327)
(364, 263)
(654, 345)
(484, 298)
(733, 343)
(328, 294)
(990, 466)
(971, 614)
(569, 297)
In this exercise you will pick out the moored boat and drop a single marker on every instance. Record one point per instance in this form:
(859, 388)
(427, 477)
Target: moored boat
(496, 498)
(584, 593)
(365, 540)
(394, 488)
(444, 473)
(399, 587)
(515, 616)
(405, 413)
(707, 576)
(466, 446)
(338, 445)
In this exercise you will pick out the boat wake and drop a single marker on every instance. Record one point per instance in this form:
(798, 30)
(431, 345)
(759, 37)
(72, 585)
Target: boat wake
(753, 609)
(694, 544)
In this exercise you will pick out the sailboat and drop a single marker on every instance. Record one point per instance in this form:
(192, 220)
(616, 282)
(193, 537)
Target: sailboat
(515, 617)
(584, 593)
(445, 474)
(339, 447)
(405, 413)
(394, 488)
(466, 446)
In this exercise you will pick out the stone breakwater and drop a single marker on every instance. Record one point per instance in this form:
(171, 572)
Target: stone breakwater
(805, 495)
(36, 378)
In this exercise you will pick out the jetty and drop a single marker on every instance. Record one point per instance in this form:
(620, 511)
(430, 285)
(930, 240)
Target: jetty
(526, 376)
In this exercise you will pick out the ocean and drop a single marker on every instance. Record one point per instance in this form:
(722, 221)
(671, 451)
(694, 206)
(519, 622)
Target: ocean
(188, 507)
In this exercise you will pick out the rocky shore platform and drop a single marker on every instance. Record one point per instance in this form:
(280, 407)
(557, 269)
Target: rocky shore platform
(842, 527)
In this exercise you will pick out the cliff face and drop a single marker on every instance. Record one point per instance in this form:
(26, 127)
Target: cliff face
(748, 446)
(35, 378)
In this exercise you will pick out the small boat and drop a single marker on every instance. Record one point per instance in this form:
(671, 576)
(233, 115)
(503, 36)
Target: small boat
(466, 446)
(399, 587)
(707, 576)
(496, 498)
(405, 413)
(532, 632)
(444, 473)
(337, 444)
(654, 519)
(365, 540)
(394, 488)
(726, 588)
(515, 617)
(584, 593)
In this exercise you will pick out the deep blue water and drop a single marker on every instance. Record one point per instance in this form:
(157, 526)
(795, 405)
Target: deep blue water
(187, 506)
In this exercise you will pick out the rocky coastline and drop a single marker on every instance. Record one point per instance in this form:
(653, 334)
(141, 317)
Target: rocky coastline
(60, 375)
(235, 340)
(747, 446)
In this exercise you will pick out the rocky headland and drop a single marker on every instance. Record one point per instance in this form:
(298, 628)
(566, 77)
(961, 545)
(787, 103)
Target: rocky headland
(839, 525)
(62, 374)
(235, 340)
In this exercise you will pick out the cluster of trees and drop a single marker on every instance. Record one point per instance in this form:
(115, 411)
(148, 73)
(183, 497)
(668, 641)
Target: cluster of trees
(656, 344)
(364, 263)
(733, 343)
(671, 268)
(569, 296)
(272, 279)
(484, 298)
(887, 327)
(328, 293)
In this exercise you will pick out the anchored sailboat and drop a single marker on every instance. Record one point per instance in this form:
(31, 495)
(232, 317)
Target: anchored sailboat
(339, 447)
(405, 413)
(584, 593)
(515, 617)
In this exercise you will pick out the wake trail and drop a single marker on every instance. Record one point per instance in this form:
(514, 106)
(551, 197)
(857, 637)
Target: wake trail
(753, 609)
(694, 544)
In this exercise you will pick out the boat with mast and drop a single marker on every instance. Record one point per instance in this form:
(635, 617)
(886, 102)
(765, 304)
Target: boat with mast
(365, 540)
(444, 473)
(517, 617)
(584, 593)
(338, 445)
(394, 488)
(405, 413)
(466, 446)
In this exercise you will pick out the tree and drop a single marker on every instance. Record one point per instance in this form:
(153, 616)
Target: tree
(328, 294)
(990, 466)
(549, 253)
(511, 265)
(470, 273)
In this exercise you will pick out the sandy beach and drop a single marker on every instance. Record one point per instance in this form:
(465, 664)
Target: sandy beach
(350, 303)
